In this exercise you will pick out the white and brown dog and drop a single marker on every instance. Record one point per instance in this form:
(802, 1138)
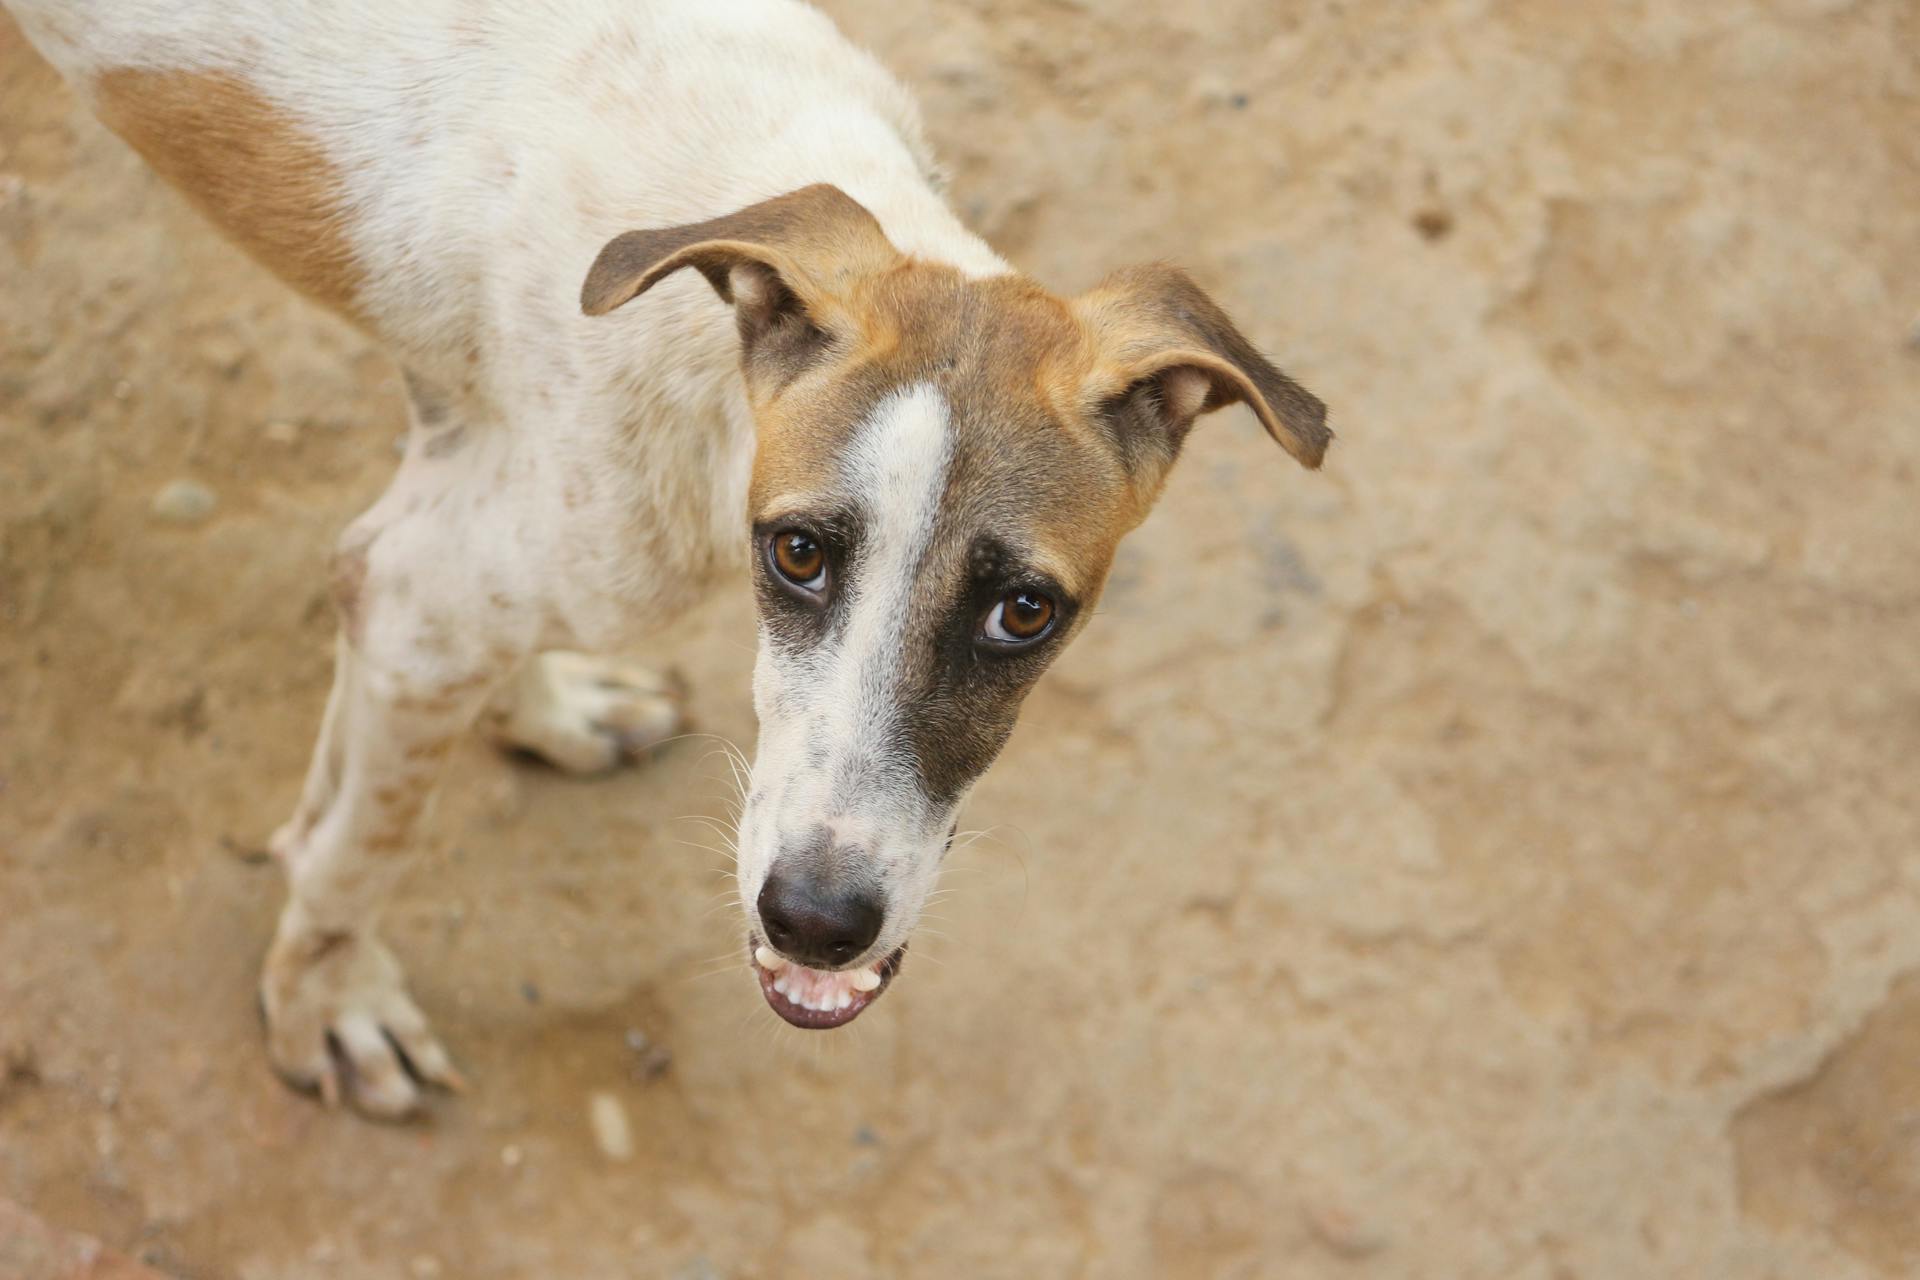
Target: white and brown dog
(926, 458)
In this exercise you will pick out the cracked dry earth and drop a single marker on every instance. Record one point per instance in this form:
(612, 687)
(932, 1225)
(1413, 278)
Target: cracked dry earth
(1495, 857)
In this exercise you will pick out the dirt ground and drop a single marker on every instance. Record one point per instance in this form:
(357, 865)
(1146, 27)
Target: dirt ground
(1497, 856)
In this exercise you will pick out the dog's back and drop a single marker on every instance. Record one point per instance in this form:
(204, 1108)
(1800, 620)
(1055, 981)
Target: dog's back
(426, 168)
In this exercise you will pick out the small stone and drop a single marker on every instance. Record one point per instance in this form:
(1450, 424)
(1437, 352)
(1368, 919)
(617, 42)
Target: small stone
(529, 993)
(611, 1131)
(1344, 1230)
(184, 502)
(511, 1156)
(225, 352)
(1210, 90)
(253, 855)
(650, 1060)
(282, 432)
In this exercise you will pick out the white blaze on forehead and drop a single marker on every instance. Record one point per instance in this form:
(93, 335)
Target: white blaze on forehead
(830, 752)
(896, 468)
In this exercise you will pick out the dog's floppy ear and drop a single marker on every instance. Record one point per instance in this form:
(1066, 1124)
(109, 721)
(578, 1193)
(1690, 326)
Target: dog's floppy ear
(782, 258)
(1167, 353)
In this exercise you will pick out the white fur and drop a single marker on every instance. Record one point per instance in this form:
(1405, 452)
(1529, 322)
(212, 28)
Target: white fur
(840, 698)
(487, 151)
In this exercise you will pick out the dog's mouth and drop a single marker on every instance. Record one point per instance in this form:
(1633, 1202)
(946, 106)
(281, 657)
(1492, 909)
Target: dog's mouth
(819, 999)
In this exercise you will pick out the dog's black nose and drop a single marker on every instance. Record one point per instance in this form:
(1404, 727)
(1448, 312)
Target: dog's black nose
(816, 922)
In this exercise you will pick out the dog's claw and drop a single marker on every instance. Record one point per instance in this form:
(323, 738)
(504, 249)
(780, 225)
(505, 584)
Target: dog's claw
(339, 1021)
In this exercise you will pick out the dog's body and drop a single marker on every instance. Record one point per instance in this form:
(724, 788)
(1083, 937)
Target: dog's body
(936, 457)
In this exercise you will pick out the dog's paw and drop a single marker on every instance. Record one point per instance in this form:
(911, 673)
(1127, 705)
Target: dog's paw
(587, 714)
(340, 1023)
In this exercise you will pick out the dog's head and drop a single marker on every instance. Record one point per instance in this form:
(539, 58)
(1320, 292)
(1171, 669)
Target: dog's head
(945, 467)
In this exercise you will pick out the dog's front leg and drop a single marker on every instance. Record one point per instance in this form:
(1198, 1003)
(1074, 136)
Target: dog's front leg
(338, 1016)
(413, 669)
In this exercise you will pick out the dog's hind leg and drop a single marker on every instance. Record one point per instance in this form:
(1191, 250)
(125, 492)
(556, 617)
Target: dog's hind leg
(586, 713)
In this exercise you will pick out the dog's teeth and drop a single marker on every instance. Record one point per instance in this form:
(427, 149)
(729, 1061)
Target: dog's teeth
(866, 980)
(780, 984)
(769, 959)
(846, 998)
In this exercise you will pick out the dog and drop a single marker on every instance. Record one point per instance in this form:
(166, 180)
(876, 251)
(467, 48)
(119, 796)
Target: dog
(674, 290)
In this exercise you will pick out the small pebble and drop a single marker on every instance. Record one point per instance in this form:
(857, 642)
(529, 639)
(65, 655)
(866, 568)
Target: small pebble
(510, 1156)
(650, 1060)
(611, 1132)
(1210, 90)
(1344, 1230)
(281, 432)
(252, 854)
(184, 502)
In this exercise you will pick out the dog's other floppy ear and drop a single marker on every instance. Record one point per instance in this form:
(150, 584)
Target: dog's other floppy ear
(1167, 354)
(774, 260)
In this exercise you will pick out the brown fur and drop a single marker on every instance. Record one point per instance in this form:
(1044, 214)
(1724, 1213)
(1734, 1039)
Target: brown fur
(812, 237)
(246, 165)
(1010, 361)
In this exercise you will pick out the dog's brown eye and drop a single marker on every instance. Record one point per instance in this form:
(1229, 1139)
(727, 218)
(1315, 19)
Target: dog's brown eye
(1019, 616)
(800, 558)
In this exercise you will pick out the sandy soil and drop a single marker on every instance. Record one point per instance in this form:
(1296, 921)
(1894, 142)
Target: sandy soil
(1495, 857)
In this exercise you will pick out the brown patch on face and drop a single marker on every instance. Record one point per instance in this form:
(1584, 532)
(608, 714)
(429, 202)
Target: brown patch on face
(247, 166)
(1011, 362)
